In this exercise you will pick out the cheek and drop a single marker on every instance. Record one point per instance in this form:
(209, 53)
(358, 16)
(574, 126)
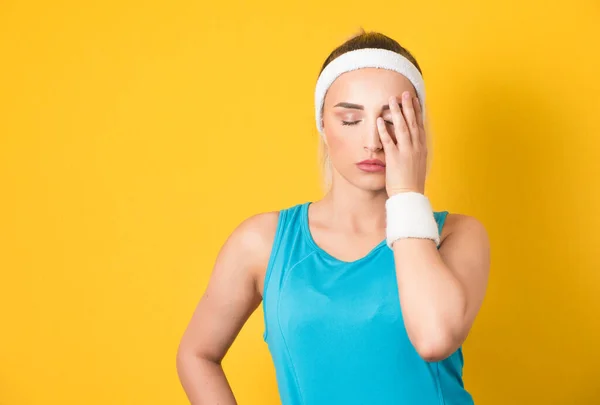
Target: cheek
(341, 146)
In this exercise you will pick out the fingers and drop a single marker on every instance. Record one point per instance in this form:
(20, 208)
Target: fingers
(389, 147)
(408, 125)
(408, 108)
(420, 123)
(419, 112)
(400, 129)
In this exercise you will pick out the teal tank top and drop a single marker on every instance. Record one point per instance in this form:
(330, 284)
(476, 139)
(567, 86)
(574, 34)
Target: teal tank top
(335, 330)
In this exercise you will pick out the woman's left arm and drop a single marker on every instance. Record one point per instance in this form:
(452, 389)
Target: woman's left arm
(442, 290)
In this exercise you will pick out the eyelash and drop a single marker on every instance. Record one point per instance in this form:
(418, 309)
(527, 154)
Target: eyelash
(356, 122)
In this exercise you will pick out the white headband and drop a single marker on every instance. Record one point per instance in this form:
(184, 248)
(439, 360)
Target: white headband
(364, 58)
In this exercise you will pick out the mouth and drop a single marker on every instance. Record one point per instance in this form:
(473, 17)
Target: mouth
(371, 167)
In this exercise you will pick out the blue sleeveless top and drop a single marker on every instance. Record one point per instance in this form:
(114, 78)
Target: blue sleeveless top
(335, 330)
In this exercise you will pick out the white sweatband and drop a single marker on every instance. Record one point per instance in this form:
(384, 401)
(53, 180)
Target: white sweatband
(409, 215)
(365, 58)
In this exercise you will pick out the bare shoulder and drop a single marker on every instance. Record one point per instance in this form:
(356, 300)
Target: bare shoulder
(255, 236)
(461, 224)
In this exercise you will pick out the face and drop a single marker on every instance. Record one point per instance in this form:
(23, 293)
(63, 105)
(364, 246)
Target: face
(351, 107)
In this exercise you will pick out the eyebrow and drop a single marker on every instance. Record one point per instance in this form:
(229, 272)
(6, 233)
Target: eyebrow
(344, 104)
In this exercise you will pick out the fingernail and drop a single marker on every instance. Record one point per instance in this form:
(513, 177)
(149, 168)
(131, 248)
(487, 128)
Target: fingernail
(406, 95)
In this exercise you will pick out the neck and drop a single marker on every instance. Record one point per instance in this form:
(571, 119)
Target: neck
(355, 210)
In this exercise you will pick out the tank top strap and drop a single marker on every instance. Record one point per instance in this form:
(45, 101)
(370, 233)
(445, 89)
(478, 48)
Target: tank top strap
(440, 218)
(288, 248)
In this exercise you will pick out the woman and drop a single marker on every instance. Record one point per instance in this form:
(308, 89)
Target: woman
(368, 294)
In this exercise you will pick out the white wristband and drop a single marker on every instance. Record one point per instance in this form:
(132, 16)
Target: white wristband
(409, 215)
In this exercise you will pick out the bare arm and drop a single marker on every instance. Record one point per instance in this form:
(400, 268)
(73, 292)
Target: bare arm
(441, 291)
(232, 295)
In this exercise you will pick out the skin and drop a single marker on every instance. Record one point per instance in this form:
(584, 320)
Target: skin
(441, 290)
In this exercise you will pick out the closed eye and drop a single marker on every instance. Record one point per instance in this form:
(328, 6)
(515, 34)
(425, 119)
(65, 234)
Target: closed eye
(356, 122)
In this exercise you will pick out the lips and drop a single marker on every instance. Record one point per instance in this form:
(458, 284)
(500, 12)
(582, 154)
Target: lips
(376, 162)
(371, 166)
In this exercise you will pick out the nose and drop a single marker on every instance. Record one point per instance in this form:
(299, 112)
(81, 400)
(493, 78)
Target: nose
(372, 141)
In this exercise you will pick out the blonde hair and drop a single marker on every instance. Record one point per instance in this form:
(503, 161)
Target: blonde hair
(362, 40)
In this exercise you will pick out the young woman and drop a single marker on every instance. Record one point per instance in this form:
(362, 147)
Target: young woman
(368, 294)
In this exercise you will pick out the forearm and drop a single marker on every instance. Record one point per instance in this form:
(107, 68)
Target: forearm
(203, 381)
(432, 299)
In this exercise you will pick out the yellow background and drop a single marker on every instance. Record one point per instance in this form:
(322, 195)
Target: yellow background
(135, 136)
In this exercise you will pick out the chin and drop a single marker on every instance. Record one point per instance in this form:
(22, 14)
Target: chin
(372, 184)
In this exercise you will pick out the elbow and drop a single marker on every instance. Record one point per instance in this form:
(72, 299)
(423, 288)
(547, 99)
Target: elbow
(435, 347)
(182, 358)
(189, 355)
(185, 357)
